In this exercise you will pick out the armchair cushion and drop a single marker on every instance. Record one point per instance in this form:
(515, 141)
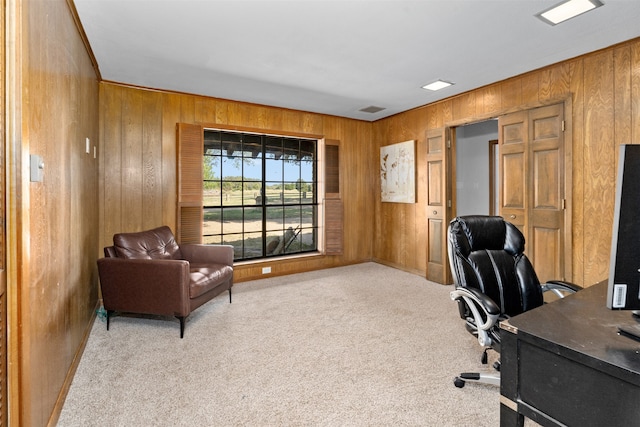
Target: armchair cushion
(205, 277)
(158, 243)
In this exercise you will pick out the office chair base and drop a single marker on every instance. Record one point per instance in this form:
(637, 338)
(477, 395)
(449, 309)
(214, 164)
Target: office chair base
(461, 380)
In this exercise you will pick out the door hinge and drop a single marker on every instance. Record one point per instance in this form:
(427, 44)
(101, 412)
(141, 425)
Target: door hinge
(448, 203)
(563, 123)
(564, 204)
(448, 143)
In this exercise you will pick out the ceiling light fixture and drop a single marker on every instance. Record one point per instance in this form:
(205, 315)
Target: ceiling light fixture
(371, 109)
(437, 85)
(567, 9)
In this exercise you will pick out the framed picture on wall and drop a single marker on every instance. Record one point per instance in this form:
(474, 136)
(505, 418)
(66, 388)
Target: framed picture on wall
(397, 172)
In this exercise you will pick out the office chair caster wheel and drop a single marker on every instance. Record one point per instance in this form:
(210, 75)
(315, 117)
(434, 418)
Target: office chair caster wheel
(458, 382)
(496, 366)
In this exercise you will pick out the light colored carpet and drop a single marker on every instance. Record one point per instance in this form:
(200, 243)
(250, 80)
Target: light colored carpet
(363, 345)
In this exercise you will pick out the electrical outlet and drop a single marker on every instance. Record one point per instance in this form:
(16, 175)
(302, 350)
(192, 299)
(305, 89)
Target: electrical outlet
(266, 270)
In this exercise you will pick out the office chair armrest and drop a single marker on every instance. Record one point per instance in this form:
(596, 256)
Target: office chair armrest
(487, 304)
(474, 300)
(560, 288)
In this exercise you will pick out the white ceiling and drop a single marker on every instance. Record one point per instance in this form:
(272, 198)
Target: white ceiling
(337, 57)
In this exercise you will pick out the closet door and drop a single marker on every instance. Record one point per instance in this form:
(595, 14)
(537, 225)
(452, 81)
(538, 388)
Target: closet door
(437, 206)
(533, 194)
(547, 195)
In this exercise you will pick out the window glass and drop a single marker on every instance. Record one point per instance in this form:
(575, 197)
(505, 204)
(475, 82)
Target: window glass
(252, 169)
(273, 170)
(259, 193)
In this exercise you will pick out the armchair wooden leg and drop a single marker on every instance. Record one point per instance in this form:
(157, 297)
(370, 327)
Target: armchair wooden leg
(181, 319)
(229, 295)
(109, 314)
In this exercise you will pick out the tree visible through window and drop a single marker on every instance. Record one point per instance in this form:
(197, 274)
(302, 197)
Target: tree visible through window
(260, 193)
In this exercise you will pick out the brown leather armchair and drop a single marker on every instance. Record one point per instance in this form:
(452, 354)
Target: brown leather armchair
(148, 273)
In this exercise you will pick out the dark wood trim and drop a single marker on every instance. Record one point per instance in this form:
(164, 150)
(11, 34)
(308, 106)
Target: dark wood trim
(493, 147)
(259, 131)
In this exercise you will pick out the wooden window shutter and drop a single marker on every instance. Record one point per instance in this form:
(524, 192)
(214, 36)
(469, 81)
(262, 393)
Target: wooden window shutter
(333, 226)
(189, 210)
(333, 223)
(332, 168)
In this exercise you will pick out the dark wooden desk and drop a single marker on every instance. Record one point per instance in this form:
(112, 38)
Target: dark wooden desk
(565, 364)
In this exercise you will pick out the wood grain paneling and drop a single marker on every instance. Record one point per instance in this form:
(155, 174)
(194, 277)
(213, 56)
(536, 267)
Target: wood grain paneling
(599, 151)
(53, 223)
(131, 166)
(635, 92)
(602, 90)
(4, 390)
(152, 176)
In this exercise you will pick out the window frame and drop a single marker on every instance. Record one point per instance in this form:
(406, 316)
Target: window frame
(265, 205)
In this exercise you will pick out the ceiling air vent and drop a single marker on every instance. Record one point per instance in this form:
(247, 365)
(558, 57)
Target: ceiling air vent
(371, 109)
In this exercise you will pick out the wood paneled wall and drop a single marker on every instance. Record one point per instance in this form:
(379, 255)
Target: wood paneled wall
(58, 227)
(138, 156)
(604, 90)
(138, 164)
(53, 224)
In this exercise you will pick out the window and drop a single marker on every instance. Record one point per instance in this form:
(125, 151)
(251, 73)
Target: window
(260, 193)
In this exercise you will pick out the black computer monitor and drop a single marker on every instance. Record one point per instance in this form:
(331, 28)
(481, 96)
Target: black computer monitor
(623, 292)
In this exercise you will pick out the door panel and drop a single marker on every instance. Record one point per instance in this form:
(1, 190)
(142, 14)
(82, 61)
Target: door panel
(437, 264)
(546, 253)
(546, 164)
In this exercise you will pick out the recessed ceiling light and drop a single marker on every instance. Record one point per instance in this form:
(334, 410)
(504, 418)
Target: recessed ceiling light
(437, 85)
(567, 10)
(371, 109)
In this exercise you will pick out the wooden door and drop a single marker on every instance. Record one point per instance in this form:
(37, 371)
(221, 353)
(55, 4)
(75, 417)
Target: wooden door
(512, 140)
(546, 229)
(533, 169)
(437, 206)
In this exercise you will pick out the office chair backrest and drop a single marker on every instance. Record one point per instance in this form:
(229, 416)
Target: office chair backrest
(487, 253)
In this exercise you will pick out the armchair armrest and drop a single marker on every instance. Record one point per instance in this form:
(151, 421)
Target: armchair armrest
(145, 286)
(476, 300)
(202, 254)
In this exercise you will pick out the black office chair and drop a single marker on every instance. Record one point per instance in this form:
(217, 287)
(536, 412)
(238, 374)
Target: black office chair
(494, 280)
